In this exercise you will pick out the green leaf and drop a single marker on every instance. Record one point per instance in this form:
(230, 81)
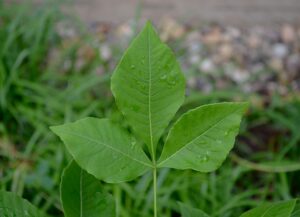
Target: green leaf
(202, 138)
(296, 211)
(12, 205)
(103, 149)
(280, 209)
(187, 211)
(282, 166)
(81, 195)
(148, 86)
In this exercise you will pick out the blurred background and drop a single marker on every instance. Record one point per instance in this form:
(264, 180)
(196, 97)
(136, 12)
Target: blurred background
(56, 59)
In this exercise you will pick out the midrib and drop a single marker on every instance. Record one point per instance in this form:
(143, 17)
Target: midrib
(149, 98)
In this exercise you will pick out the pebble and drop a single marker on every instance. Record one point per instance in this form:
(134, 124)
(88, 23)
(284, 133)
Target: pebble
(288, 33)
(207, 66)
(171, 29)
(226, 51)
(293, 64)
(276, 64)
(230, 55)
(214, 36)
(240, 75)
(279, 50)
(105, 52)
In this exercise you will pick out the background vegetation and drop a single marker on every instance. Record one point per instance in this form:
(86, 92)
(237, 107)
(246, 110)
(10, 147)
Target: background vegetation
(53, 69)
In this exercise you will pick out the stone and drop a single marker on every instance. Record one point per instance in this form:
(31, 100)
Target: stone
(293, 64)
(276, 64)
(207, 65)
(171, 29)
(194, 59)
(225, 51)
(214, 36)
(105, 52)
(240, 75)
(288, 33)
(279, 50)
(254, 41)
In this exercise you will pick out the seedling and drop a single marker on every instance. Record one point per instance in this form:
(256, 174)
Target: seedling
(149, 88)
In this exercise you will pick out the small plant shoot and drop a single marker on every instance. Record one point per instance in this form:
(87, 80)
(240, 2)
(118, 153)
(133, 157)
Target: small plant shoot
(149, 88)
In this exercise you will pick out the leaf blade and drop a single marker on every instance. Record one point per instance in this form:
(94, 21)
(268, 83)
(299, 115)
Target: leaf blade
(201, 138)
(103, 149)
(148, 86)
(12, 205)
(279, 209)
(187, 211)
(81, 194)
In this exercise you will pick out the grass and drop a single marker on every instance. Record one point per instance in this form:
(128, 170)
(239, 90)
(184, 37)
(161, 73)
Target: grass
(43, 84)
(35, 94)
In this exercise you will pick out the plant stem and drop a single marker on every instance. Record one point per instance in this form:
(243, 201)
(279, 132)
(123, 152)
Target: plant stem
(155, 191)
(118, 199)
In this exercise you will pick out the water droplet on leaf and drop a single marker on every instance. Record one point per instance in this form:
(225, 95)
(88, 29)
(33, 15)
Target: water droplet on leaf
(163, 78)
(203, 158)
(132, 144)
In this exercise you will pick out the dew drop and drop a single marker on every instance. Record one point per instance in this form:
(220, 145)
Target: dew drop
(132, 144)
(122, 168)
(203, 158)
(219, 141)
(226, 133)
(132, 66)
(171, 82)
(141, 84)
(163, 78)
(114, 156)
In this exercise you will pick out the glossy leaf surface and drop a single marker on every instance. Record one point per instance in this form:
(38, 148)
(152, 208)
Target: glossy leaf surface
(202, 138)
(148, 86)
(81, 195)
(12, 205)
(187, 211)
(280, 209)
(103, 149)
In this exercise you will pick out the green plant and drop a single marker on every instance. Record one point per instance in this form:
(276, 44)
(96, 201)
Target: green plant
(41, 84)
(289, 208)
(81, 192)
(149, 88)
(96, 203)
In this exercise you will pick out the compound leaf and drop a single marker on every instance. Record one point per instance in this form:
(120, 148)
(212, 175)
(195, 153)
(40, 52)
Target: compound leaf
(81, 194)
(103, 149)
(11, 205)
(187, 211)
(279, 209)
(201, 138)
(148, 86)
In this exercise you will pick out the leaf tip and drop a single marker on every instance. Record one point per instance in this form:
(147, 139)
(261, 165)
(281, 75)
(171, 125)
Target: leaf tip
(149, 26)
(149, 23)
(54, 129)
(245, 105)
